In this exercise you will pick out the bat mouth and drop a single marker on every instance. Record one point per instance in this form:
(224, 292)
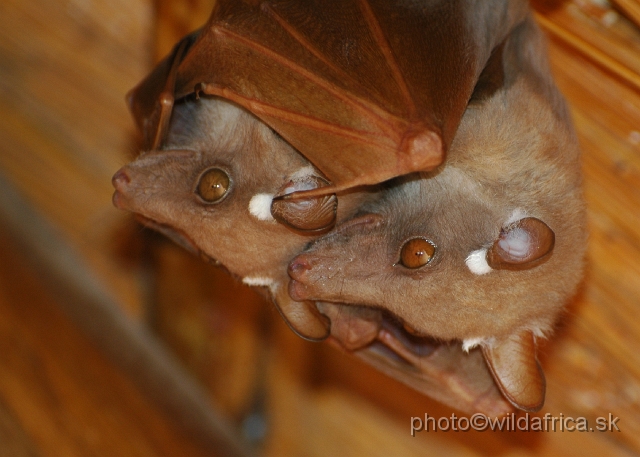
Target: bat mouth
(406, 342)
(175, 235)
(398, 349)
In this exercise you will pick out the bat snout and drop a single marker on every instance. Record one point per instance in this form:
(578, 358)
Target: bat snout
(299, 267)
(120, 181)
(298, 272)
(298, 291)
(118, 200)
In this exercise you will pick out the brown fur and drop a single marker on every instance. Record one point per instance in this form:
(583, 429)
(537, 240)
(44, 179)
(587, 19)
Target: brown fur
(212, 132)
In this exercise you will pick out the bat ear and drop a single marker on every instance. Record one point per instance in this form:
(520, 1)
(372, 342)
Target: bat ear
(523, 244)
(306, 214)
(302, 317)
(515, 368)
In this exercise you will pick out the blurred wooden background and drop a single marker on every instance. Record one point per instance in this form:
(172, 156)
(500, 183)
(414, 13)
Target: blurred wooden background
(81, 285)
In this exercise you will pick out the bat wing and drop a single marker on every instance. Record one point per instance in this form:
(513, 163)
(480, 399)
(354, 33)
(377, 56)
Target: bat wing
(151, 101)
(366, 89)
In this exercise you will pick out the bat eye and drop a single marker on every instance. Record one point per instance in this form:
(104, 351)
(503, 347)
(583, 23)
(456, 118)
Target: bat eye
(213, 185)
(416, 253)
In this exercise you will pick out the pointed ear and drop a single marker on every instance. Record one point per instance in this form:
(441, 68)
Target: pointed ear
(515, 368)
(302, 317)
(524, 244)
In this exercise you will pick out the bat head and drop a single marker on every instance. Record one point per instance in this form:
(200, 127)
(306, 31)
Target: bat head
(486, 249)
(453, 268)
(211, 188)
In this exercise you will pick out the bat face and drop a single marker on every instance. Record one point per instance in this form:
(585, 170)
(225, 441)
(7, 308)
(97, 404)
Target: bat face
(211, 189)
(424, 249)
(427, 265)
(487, 248)
(201, 184)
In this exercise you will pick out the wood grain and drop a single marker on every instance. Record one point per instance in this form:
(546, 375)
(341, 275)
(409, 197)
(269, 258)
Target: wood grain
(59, 396)
(631, 8)
(64, 130)
(64, 126)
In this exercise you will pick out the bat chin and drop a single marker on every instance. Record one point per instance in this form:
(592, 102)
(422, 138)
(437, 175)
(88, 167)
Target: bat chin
(436, 368)
(361, 328)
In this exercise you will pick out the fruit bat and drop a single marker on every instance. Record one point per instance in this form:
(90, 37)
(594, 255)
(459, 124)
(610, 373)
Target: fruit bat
(366, 91)
(485, 249)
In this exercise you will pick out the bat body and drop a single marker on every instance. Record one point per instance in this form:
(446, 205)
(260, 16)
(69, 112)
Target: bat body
(485, 249)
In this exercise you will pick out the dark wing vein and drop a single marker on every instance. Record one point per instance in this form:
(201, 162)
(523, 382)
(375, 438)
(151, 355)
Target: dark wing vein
(259, 107)
(386, 121)
(382, 42)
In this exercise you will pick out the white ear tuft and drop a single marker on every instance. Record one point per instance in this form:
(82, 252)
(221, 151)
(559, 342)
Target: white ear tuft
(516, 215)
(470, 343)
(260, 207)
(262, 281)
(477, 262)
(303, 173)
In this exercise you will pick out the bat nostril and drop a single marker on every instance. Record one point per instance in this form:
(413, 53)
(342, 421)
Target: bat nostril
(120, 179)
(298, 268)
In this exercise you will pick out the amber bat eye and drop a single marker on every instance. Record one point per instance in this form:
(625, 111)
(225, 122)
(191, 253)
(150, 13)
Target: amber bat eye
(213, 185)
(417, 253)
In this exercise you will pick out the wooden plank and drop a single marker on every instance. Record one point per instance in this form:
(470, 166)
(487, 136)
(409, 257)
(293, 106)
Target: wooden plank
(128, 343)
(59, 395)
(631, 8)
(64, 126)
(175, 19)
(596, 31)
